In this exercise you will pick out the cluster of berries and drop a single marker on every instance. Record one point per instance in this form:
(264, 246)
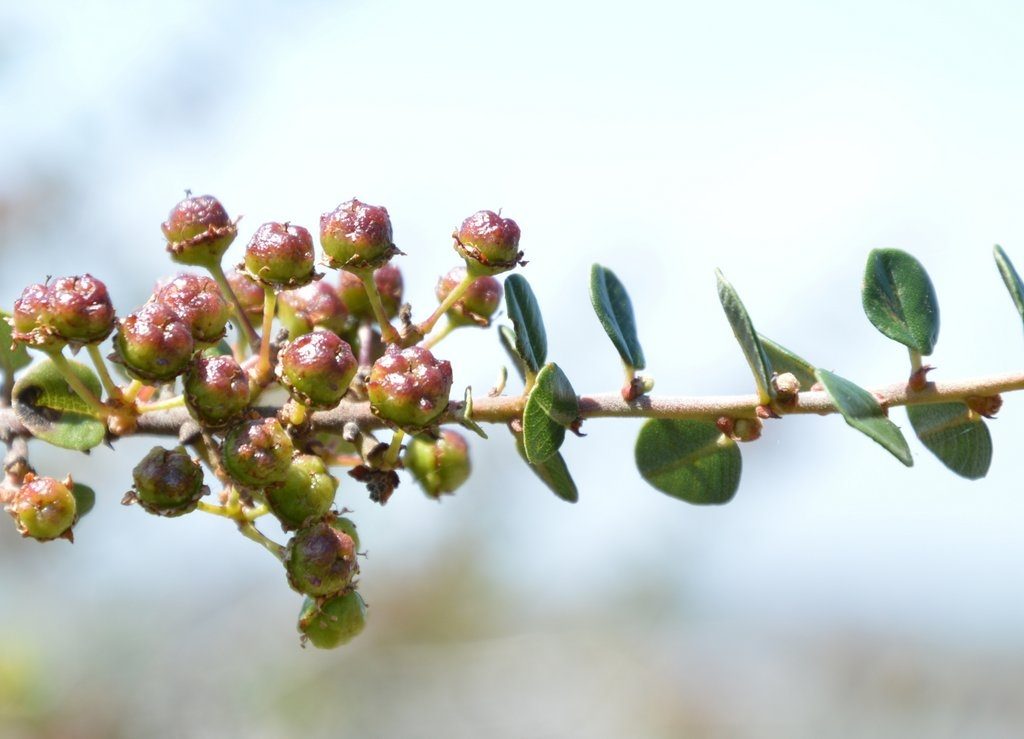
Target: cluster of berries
(334, 344)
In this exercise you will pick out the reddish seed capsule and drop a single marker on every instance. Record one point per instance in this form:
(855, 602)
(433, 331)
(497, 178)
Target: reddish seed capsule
(197, 301)
(409, 387)
(488, 242)
(198, 231)
(249, 293)
(357, 236)
(257, 453)
(153, 344)
(168, 482)
(388, 280)
(281, 255)
(321, 560)
(478, 303)
(316, 305)
(80, 309)
(44, 508)
(216, 390)
(32, 321)
(317, 368)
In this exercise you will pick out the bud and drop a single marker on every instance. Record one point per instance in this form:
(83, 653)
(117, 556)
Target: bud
(331, 622)
(44, 508)
(216, 390)
(316, 305)
(249, 293)
(198, 303)
(305, 495)
(488, 242)
(317, 368)
(281, 255)
(320, 560)
(439, 465)
(168, 482)
(32, 320)
(258, 452)
(388, 280)
(477, 304)
(357, 236)
(409, 387)
(153, 344)
(199, 231)
(80, 309)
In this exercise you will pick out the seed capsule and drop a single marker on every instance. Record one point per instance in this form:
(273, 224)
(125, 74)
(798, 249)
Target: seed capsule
(388, 280)
(216, 390)
(477, 304)
(80, 309)
(317, 368)
(248, 291)
(198, 303)
(168, 482)
(331, 622)
(316, 305)
(306, 494)
(199, 231)
(357, 236)
(439, 465)
(321, 560)
(281, 255)
(258, 452)
(44, 508)
(488, 242)
(409, 387)
(153, 344)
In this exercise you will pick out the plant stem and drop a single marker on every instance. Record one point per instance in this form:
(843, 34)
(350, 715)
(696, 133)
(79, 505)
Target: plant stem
(162, 405)
(390, 457)
(80, 388)
(435, 338)
(131, 392)
(269, 308)
(113, 391)
(457, 292)
(251, 532)
(388, 333)
(241, 317)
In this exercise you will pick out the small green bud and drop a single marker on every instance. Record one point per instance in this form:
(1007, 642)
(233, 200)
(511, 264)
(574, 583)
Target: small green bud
(80, 309)
(168, 482)
(198, 303)
(357, 236)
(330, 622)
(316, 305)
(317, 368)
(439, 465)
(199, 231)
(306, 493)
(409, 387)
(216, 390)
(44, 508)
(477, 304)
(258, 452)
(388, 280)
(488, 243)
(153, 344)
(321, 560)
(281, 255)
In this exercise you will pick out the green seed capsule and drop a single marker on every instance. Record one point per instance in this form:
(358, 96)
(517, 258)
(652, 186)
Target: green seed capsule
(44, 508)
(306, 494)
(258, 453)
(333, 621)
(439, 465)
(168, 482)
(199, 231)
(321, 560)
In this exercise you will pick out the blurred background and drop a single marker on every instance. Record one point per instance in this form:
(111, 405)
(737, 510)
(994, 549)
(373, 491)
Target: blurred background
(839, 594)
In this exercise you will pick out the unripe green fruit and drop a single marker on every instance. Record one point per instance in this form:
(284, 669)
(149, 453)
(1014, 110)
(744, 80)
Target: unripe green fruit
(331, 622)
(439, 465)
(316, 305)
(153, 344)
(281, 255)
(409, 387)
(249, 293)
(387, 279)
(321, 560)
(44, 508)
(306, 493)
(477, 304)
(317, 368)
(199, 231)
(357, 236)
(32, 320)
(488, 243)
(258, 453)
(168, 482)
(198, 303)
(80, 309)
(216, 390)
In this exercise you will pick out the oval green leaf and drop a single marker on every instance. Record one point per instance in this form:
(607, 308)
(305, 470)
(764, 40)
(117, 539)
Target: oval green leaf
(507, 338)
(783, 360)
(85, 498)
(615, 312)
(689, 460)
(1010, 278)
(743, 328)
(53, 412)
(959, 438)
(900, 301)
(551, 406)
(862, 411)
(12, 358)
(553, 472)
(524, 312)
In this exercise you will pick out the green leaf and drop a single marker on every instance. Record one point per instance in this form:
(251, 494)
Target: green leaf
(553, 473)
(53, 412)
(689, 460)
(1010, 278)
(900, 301)
(743, 328)
(507, 337)
(615, 312)
(783, 360)
(524, 312)
(85, 498)
(11, 359)
(551, 407)
(959, 438)
(862, 411)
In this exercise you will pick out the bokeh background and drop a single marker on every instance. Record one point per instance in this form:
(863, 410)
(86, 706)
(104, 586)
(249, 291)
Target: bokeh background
(838, 595)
